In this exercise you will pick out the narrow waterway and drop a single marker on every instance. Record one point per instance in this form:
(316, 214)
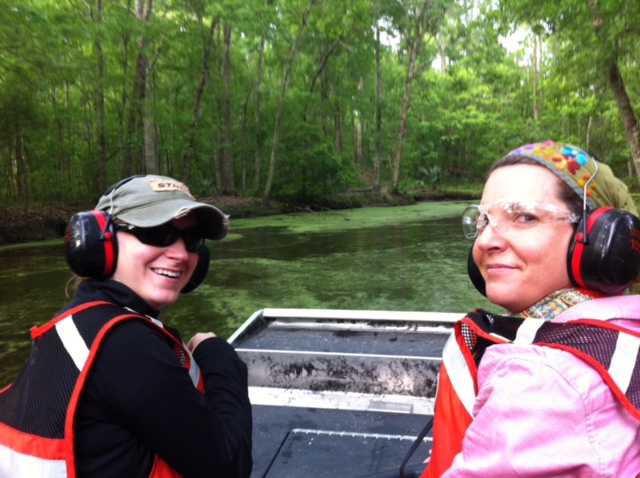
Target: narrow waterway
(400, 258)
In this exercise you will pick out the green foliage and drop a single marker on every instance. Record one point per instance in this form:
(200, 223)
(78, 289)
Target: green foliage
(431, 175)
(472, 99)
(313, 172)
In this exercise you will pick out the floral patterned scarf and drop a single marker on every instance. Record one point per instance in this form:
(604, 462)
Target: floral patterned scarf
(556, 302)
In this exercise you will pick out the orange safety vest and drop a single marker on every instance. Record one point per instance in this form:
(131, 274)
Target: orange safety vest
(28, 447)
(457, 384)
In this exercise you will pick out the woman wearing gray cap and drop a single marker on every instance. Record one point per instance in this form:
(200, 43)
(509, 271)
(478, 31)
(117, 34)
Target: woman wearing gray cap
(108, 389)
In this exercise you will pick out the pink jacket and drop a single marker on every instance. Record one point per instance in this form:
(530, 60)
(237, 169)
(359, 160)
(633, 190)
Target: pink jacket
(543, 412)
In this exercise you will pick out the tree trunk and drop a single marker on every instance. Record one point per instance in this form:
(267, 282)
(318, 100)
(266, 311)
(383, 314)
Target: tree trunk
(534, 78)
(124, 101)
(22, 167)
(443, 54)
(283, 91)
(354, 138)
(149, 129)
(359, 145)
(324, 102)
(626, 112)
(148, 117)
(215, 156)
(133, 147)
(244, 140)
(228, 169)
(614, 77)
(135, 127)
(422, 25)
(321, 73)
(101, 170)
(378, 115)
(337, 124)
(218, 108)
(402, 128)
(197, 107)
(257, 135)
(61, 154)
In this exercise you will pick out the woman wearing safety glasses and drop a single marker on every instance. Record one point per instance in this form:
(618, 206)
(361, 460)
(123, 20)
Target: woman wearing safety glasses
(550, 386)
(108, 389)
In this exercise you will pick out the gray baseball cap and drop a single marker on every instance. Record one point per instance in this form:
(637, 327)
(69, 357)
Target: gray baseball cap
(149, 201)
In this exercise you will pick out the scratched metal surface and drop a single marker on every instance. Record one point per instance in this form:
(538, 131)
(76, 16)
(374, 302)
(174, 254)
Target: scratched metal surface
(378, 380)
(378, 341)
(304, 442)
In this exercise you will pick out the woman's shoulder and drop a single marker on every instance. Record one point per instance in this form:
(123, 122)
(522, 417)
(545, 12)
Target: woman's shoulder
(132, 328)
(545, 402)
(605, 308)
(119, 331)
(537, 366)
(529, 384)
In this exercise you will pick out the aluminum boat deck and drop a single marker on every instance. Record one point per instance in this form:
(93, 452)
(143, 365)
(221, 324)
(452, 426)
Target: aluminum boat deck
(340, 393)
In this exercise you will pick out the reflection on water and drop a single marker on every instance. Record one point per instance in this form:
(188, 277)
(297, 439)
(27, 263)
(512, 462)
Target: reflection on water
(418, 265)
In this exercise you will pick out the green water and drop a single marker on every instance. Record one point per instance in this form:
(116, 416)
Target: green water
(400, 258)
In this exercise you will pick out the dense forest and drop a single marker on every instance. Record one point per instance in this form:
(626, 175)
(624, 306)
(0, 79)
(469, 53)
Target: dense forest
(296, 99)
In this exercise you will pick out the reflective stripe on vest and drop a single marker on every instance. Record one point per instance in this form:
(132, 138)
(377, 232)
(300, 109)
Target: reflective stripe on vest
(73, 341)
(23, 456)
(623, 360)
(462, 380)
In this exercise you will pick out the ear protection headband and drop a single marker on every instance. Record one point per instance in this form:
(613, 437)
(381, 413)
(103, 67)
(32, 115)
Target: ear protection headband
(200, 272)
(604, 253)
(91, 247)
(607, 257)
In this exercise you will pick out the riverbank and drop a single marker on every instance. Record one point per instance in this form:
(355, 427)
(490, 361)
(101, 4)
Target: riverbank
(43, 223)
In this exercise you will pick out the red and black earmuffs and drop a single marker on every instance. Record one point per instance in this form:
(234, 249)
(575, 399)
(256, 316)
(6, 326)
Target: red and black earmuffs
(91, 247)
(604, 254)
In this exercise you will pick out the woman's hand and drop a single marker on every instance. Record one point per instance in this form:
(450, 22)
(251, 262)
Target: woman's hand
(199, 337)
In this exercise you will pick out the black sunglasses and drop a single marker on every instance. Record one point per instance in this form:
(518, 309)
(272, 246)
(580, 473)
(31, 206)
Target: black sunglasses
(164, 235)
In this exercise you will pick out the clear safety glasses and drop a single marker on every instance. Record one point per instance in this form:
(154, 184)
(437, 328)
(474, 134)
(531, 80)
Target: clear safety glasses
(508, 215)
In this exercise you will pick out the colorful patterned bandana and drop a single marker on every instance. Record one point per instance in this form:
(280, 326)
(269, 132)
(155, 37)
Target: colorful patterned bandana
(575, 167)
(556, 303)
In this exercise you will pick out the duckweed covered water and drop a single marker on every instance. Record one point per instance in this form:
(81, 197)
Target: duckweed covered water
(398, 258)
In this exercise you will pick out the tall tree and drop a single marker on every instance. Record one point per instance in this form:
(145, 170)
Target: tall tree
(426, 22)
(79, 109)
(228, 178)
(597, 37)
(208, 41)
(136, 129)
(257, 122)
(378, 114)
(283, 91)
(534, 76)
(360, 133)
(101, 170)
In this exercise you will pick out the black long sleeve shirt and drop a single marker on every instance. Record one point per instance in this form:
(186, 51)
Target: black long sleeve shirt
(139, 400)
